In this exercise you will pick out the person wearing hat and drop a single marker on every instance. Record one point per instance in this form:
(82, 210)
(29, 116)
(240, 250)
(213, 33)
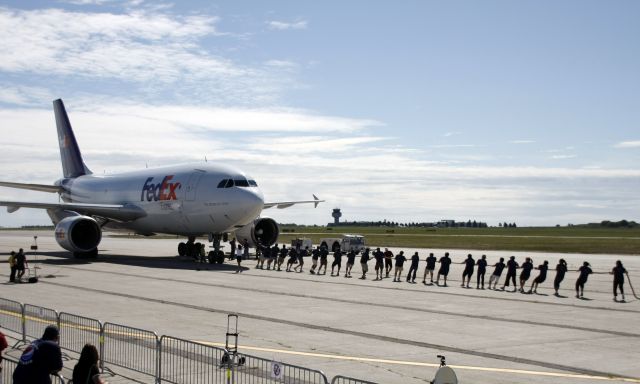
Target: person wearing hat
(40, 359)
(585, 271)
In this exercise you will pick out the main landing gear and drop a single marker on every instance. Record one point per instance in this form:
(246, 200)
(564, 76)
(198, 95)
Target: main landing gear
(196, 250)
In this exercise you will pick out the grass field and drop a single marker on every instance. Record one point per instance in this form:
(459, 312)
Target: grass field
(538, 239)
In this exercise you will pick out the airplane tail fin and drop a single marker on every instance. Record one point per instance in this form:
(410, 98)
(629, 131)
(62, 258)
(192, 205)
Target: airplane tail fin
(72, 164)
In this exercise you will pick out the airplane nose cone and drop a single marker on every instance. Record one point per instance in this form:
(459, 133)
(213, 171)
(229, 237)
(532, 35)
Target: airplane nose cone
(253, 202)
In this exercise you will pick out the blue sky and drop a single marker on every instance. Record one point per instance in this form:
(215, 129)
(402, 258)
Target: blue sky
(525, 111)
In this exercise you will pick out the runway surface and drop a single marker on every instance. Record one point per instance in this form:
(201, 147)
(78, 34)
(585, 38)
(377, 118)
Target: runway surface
(376, 330)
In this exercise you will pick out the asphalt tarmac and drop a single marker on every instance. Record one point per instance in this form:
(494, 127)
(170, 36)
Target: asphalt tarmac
(382, 331)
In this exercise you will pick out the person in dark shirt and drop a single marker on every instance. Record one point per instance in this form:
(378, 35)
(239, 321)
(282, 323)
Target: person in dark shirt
(527, 266)
(273, 257)
(324, 253)
(468, 270)
(40, 359)
(293, 259)
(482, 270)
(497, 272)
(415, 260)
(301, 255)
(351, 259)
(585, 271)
(315, 255)
(431, 265)
(445, 262)
(282, 256)
(542, 276)
(512, 265)
(400, 259)
(364, 260)
(388, 261)
(618, 273)
(86, 370)
(12, 266)
(232, 244)
(21, 264)
(337, 261)
(379, 256)
(561, 269)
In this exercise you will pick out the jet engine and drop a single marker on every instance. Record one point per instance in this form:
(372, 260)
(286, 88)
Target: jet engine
(262, 232)
(79, 234)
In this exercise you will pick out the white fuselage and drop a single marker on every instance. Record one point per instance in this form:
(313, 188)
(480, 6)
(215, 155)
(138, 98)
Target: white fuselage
(182, 200)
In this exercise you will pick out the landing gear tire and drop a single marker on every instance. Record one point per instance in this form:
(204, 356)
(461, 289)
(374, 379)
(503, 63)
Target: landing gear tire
(182, 249)
(220, 257)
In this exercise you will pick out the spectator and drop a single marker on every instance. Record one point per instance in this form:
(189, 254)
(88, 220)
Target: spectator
(239, 254)
(86, 370)
(13, 267)
(21, 264)
(3, 346)
(40, 359)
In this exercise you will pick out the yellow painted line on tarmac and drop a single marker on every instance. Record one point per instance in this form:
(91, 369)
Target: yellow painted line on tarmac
(419, 364)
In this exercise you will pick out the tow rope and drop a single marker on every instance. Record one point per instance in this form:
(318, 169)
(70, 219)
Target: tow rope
(632, 290)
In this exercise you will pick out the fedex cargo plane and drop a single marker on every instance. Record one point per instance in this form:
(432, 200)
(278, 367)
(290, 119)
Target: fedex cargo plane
(187, 200)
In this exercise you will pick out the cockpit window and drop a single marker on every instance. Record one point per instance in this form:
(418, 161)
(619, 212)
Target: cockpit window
(241, 182)
(222, 183)
(253, 183)
(229, 183)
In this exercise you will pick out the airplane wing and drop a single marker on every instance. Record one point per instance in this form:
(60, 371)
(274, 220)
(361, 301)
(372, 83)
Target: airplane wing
(33, 187)
(119, 212)
(287, 204)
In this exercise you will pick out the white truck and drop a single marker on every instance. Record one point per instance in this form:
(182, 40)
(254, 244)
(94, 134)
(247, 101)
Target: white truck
(345, 243)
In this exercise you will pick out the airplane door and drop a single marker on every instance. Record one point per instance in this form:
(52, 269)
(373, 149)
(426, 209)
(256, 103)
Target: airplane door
(192, 185)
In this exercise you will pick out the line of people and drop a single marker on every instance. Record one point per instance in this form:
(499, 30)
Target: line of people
(275, 258)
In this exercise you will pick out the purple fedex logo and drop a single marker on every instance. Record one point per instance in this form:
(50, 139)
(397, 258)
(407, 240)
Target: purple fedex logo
(164, 190)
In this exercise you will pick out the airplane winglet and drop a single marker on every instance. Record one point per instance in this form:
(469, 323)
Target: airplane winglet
(317, 201)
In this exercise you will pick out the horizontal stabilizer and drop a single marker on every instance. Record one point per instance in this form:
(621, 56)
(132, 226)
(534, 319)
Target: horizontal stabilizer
(287, 204)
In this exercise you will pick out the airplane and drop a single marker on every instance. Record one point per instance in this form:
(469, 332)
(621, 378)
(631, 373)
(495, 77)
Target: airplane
(186, 200)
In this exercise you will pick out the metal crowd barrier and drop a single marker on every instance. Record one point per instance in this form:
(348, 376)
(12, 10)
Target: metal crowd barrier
(11, 315)
(186, 362)
(130, 348)
(349, 380)
(256, 369)
(76, 331)
(36, 319)
(9, 365)
(167, 359)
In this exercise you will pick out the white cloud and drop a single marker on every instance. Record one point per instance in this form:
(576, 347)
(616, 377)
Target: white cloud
(522, 142)
(628, 144)
(159, 50)
(562, 157)
(283, 25)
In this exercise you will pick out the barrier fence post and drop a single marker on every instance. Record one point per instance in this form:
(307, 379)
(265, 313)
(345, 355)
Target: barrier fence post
(23, 317)
(101, 347)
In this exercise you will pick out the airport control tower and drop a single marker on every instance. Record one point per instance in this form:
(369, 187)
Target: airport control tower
(336, 216)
